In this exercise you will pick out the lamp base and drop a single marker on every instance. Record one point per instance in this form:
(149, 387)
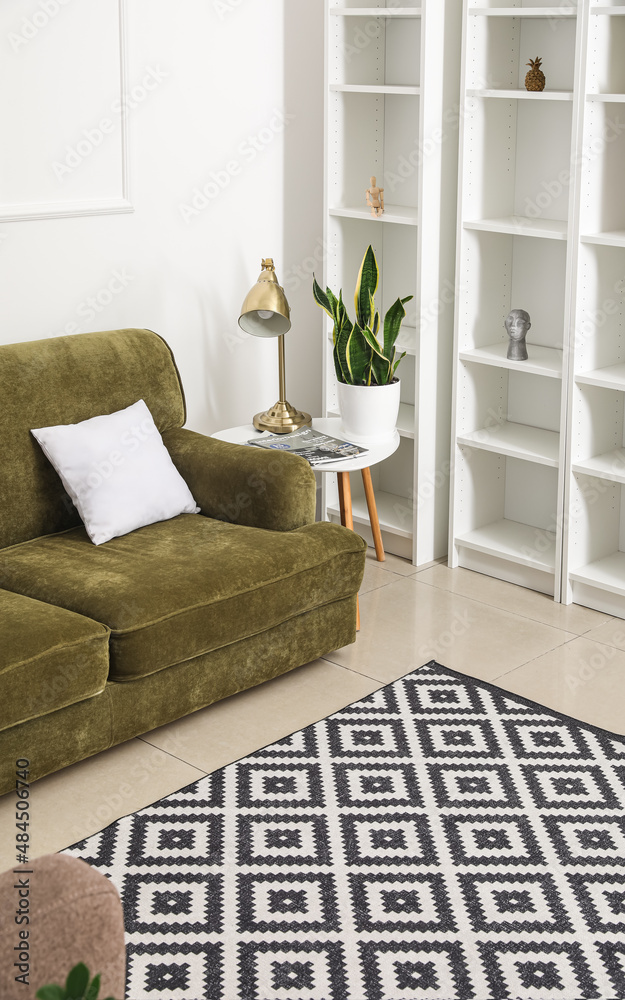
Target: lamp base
(282, 418)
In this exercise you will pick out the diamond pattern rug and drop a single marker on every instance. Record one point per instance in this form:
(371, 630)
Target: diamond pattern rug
(437, 840)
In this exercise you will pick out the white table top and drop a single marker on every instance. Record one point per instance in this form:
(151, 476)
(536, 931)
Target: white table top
(376, 451)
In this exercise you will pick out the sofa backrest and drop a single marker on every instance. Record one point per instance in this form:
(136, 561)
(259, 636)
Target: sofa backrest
(64, 380)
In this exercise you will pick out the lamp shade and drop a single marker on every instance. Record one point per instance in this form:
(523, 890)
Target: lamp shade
(265, 311)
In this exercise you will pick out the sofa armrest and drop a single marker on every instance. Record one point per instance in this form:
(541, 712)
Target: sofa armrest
(252, 486)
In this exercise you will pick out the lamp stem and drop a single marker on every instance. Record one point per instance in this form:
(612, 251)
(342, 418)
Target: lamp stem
(281, 368)
(282, 417)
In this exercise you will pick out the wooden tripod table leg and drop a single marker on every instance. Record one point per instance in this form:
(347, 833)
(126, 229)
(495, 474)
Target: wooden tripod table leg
(347, 519)
(373, 515)
(345, 500)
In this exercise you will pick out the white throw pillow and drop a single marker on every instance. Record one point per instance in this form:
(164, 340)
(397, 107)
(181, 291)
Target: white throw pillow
(117, 471)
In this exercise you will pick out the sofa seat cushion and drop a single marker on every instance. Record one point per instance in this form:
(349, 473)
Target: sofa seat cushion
(49, 658)
(173, 590)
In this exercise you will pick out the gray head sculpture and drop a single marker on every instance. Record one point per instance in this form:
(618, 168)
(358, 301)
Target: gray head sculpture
(517, 323)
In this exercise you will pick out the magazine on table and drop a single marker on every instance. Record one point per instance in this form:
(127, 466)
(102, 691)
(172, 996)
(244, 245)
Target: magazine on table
(315, 447)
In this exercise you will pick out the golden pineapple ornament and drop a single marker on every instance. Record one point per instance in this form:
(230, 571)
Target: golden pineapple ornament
(535, 78)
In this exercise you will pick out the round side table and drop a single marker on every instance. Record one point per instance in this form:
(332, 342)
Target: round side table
(376, 452)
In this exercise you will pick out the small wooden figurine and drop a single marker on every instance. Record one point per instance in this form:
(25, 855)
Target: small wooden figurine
(375, 198)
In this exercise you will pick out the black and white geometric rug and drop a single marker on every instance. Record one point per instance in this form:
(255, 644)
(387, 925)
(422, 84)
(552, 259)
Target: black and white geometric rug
(438, 840)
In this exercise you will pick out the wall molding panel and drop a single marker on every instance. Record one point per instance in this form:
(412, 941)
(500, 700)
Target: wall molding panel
(65, 135)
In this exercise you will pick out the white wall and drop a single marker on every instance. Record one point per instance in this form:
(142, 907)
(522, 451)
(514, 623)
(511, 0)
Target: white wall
(235, 83)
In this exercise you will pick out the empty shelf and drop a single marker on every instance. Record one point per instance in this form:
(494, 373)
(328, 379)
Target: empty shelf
(519, 543)
(606, 574)
(521, 225)
(610, 465)
(532, 444)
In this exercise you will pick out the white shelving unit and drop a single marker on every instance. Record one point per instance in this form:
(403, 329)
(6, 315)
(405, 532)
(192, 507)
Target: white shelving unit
(392, 112)
(594, 521)
(539, 446)
(517, 232)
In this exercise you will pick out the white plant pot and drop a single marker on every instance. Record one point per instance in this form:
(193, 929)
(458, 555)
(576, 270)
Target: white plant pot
(368, 412)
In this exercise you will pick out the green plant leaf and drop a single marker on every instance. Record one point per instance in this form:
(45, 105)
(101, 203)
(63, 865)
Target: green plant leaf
(335, 313)
(94, 988)
(373, 342)
(402, 355)
(340, 354)
(342, 330)
(392, 323)
(376, 324)
(371, 316)
(321, 298)
(333, 301)
(51, 992)
(366, 287)
(380, 365)
(341, 312)
(381, 369)
(77, 982)
(337, 365)
(358, 355)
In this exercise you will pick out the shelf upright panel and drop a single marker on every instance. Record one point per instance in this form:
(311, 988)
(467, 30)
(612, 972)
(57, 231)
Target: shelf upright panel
(391, 111)
(575, 182)
(436, 289)
(517, 226)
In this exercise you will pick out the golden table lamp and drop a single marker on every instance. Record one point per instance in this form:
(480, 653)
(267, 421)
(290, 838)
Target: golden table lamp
(266, 313)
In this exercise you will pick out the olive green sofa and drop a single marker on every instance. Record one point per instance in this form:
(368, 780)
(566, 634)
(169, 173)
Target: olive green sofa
(100, 643)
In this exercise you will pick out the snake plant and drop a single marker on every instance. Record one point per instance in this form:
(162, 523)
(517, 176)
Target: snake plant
(77, 987)
(359, 357)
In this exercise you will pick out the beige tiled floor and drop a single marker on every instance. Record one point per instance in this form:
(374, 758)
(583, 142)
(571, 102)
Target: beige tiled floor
(568, 658)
